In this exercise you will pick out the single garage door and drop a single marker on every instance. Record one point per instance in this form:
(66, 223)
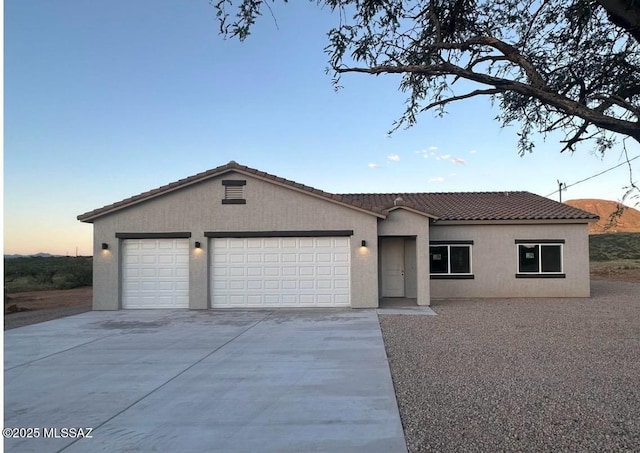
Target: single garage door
(155, 273)
(280, 272)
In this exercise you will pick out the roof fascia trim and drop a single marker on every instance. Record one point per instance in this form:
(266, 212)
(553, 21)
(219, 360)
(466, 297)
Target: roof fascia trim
(514, 222)
(89, 218)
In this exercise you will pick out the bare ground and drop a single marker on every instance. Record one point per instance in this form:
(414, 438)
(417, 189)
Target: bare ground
(615, 273)
(22, 309)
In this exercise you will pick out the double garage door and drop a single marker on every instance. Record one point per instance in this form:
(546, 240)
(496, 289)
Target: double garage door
(243, 272)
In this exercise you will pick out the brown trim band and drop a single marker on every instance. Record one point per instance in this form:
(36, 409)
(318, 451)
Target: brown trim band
(234, 182)
(541, 276)
(450, 242)
(170, 235)
(273, 234)
(539, 241)
(234, 201)
(452, 276)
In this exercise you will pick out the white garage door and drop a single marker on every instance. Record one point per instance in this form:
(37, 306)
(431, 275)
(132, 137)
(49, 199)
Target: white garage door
(280, 272)
(155, 273)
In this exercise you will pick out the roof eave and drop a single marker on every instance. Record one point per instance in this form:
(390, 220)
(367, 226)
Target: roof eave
(89, 217)
(511, 221)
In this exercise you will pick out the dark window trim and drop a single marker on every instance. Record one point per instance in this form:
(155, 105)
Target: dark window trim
(539, 241)
(234, 201)
(452, 276)
(272, 234)
(169, 235)
(234, 182)
(450, 242)
(542, 275)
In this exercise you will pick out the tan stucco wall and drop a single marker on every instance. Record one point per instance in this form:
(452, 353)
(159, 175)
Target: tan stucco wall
(198, 208)
(495, 261)
(409, 224)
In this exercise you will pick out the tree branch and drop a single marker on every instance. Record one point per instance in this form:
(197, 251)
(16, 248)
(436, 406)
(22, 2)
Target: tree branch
(562, 103)
(463, 96)
(625, 14)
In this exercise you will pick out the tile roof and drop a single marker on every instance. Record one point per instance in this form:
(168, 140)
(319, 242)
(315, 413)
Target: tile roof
(444, 206)
(477, 205)
(231, 166)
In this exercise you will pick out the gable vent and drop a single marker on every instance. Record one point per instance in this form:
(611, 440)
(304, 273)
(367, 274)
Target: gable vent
(234, 191)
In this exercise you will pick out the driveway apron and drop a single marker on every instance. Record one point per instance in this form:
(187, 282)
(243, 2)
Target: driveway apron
(217, 381)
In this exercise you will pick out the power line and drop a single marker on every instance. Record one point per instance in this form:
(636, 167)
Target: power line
(565, 186)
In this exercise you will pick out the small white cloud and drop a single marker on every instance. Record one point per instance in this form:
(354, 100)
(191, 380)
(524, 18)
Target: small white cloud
(433, 148)
(453, 174)
(458, 161)
(393, 157)
(422, 152)
(473, 151)
(373, 165)
(436, 179)
(445, 156)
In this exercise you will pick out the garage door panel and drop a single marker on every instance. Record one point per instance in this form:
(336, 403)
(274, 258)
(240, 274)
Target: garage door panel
(289, 271)
(271, 258)
(254, 284)
(271, 284)
(237, 271)
(254, 272)
(254, 258)
(155, 273)
(280, 272)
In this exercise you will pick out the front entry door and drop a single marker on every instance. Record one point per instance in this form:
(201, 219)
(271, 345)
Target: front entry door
(392, 265)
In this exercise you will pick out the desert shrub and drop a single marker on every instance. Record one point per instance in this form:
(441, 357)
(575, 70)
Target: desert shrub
(42, 273)
(614, 246)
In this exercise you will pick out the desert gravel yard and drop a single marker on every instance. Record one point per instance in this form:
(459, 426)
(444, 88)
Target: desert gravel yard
(520, 374)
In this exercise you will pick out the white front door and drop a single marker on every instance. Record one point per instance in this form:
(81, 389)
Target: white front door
(392, 266)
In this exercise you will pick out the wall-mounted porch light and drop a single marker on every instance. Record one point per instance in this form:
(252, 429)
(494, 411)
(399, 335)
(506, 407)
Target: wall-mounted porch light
(364, 243)
(105, 246)
(197, 244)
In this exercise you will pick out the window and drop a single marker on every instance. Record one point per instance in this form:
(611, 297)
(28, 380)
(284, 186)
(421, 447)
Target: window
(540, 258)
(450, 259)
(234, 191)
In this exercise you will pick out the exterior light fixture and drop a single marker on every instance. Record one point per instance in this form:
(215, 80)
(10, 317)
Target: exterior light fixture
(197, 244)
(364, 243)
(105, 246)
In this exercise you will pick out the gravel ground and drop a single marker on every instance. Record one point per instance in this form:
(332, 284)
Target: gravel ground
(520, 374)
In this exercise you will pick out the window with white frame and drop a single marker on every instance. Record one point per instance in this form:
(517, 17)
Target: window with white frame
(450, 259)
(541, 258)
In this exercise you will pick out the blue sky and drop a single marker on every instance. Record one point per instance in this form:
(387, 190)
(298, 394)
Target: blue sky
(104, 100)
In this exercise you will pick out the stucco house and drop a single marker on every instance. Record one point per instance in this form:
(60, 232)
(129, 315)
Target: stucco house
(235, 236)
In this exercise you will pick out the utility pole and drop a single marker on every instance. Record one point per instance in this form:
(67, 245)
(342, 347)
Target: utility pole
(561, 186)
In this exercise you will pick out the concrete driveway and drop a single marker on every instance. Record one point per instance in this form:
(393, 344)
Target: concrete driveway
(232, 381)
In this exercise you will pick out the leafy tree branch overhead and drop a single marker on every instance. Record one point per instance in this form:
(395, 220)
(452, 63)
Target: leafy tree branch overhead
(551, 65)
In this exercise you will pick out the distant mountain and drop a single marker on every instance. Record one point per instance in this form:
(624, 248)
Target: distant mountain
(627, 222)
(37, 255)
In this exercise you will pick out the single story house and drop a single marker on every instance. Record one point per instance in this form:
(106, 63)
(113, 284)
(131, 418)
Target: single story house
(238, 237)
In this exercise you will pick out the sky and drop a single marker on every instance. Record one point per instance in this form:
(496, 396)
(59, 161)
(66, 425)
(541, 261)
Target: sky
(105, 100)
